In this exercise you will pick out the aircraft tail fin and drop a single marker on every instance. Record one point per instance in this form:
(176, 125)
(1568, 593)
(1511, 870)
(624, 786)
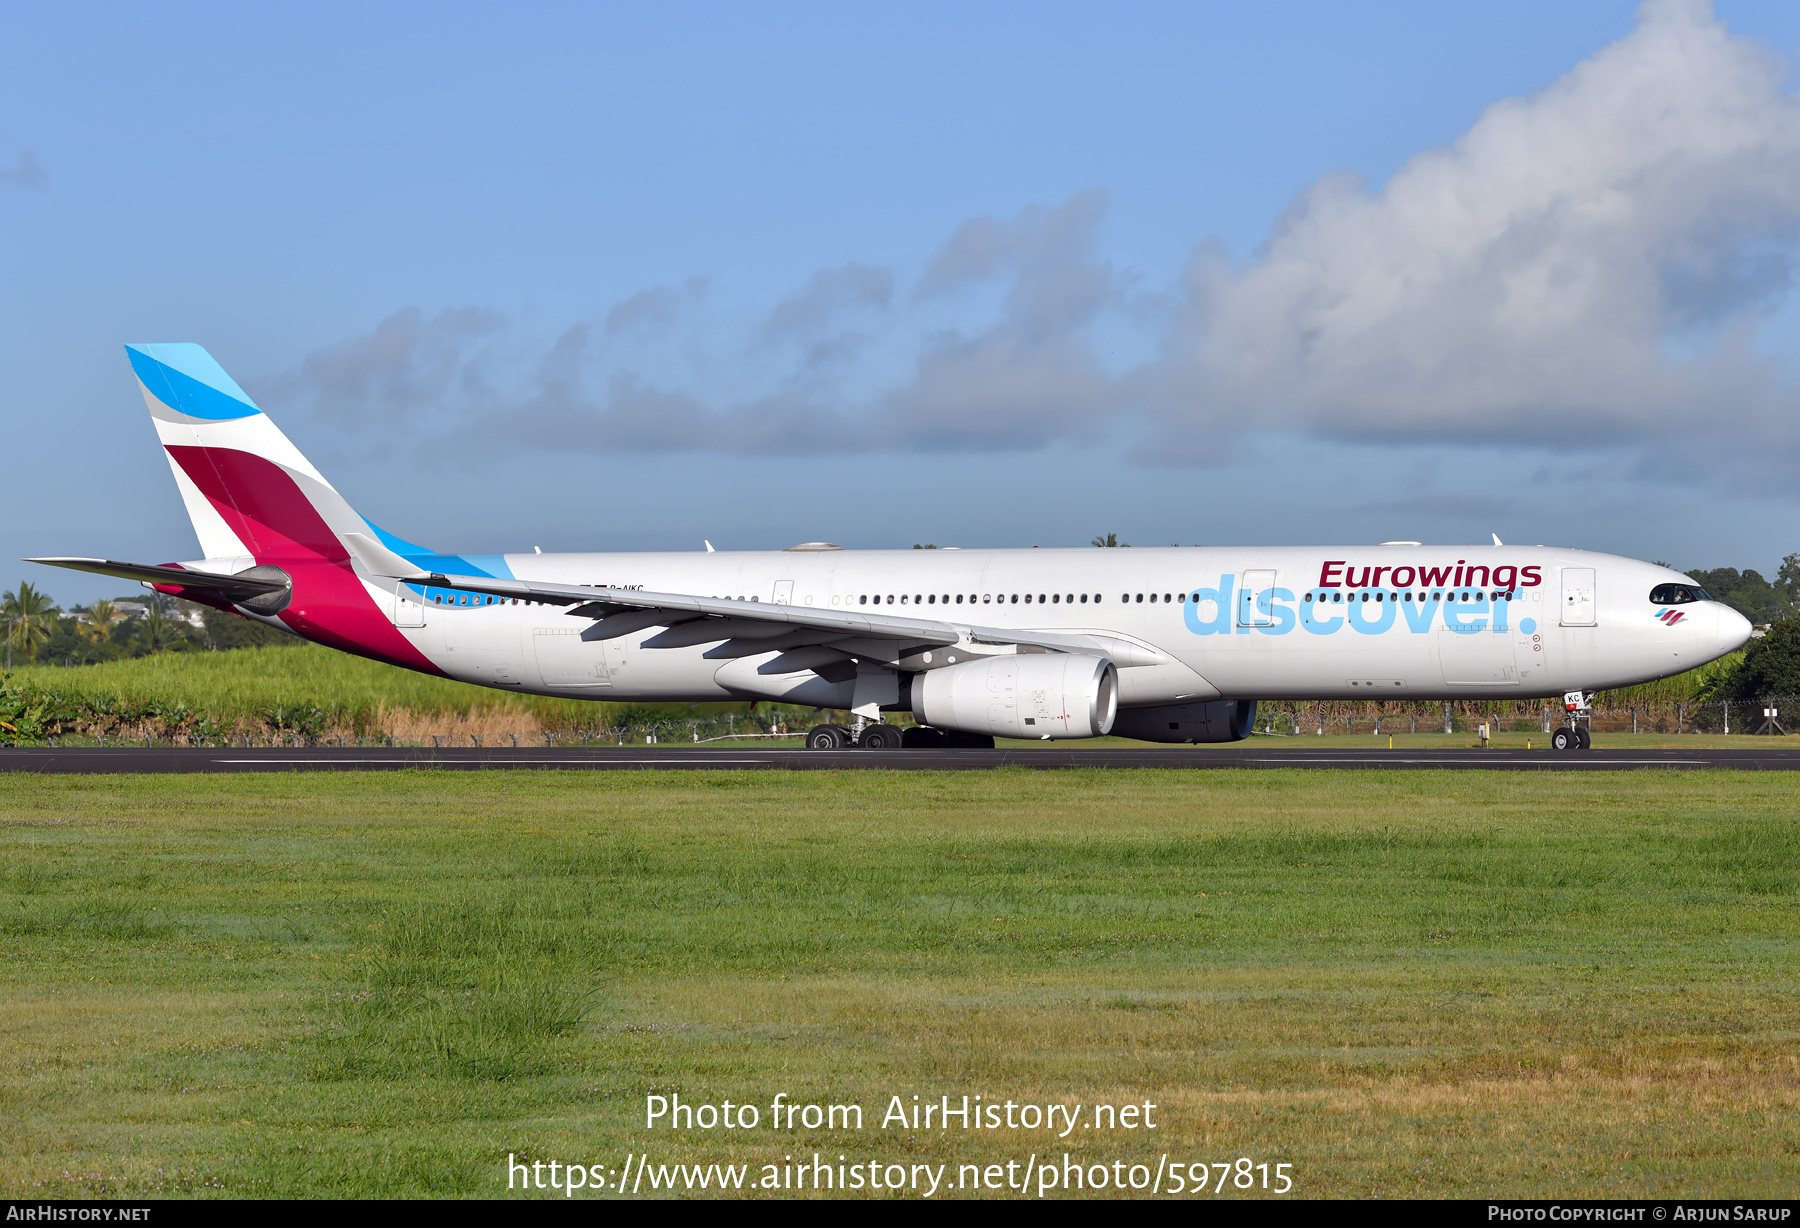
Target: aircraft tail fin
(248, 490)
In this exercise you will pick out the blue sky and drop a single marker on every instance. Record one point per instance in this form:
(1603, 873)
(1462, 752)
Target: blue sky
(626, 278)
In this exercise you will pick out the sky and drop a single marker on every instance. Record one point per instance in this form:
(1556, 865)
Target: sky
(620, 278)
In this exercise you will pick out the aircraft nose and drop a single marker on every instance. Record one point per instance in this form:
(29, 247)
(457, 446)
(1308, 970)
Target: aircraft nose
(1733, 629)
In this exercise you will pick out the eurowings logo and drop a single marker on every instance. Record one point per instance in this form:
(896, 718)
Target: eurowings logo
(1669, 618)
(1253, 603)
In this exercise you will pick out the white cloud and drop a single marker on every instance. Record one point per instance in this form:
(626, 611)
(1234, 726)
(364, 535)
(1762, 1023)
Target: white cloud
(28, 174)
(1586, 266)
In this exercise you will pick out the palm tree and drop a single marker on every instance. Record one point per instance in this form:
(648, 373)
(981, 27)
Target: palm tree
(29, 615)
(156, 633)
(1111, 539)
(102, 615)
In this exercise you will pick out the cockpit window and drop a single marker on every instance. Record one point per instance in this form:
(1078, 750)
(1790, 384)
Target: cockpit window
(1677, 594)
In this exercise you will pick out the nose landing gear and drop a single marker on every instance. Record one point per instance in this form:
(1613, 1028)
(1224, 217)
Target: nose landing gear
(1569, 738)
(1577, 710)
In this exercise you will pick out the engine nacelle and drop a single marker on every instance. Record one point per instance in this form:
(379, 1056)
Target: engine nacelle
(1036, 695)
(1222, 720)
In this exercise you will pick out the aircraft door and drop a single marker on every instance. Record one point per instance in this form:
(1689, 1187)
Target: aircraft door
(567, 662)
(784, 592)
(1253, 604)
(409, 607)
(1578, 597)
(1477, 658)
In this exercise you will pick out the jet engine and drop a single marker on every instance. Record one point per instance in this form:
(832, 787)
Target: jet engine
(1222, 720)
(1036, 695)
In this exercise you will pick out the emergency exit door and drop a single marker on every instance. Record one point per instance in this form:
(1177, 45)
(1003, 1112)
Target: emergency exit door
(409, 607)
(1578, 597)
(1255, 606)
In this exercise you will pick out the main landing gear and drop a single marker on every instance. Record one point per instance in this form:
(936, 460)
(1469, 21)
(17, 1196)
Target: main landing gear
(892, 737)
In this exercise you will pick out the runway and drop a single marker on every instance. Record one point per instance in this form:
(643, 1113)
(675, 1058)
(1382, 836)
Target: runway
(1253, 754)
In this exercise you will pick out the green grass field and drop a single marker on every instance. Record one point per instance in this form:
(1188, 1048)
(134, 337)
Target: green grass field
(1407, 983)
(242, 684)
(275, 693)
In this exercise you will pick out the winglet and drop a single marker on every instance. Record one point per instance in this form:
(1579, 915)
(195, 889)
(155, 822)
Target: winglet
(1496, 538)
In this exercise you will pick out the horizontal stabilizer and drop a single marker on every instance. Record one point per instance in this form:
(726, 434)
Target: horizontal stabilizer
(149, 573)
(376, 558)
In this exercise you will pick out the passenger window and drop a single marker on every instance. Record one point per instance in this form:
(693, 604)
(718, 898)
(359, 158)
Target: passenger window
(985, 599)
(1167, 598)
(1015, 599)
(1308, 597)
(1027, 598)
(959, 599)
(1084, 599)
(863, 600)
(917, 599)
(1040, 599)
(1152, 598)
(1140, 599)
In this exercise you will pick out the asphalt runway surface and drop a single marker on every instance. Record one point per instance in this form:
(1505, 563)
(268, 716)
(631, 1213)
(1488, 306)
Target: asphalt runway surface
(1252, 754)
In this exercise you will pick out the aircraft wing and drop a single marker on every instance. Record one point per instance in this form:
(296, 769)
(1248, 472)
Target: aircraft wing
(168, 573)
(703, 620)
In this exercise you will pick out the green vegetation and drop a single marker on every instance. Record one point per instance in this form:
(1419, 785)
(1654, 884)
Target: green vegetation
(29, 616)
(1398, 983)
(244, 683)
(1752, 596)
(310, 692)
(1768, 666)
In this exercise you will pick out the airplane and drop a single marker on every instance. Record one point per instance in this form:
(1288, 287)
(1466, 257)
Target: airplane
(1161, 645)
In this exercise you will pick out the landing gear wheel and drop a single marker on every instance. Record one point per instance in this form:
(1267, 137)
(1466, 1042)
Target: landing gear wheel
(1565, 739)
(919, 737)
(1582, 740)
(826, 737)
(880, 737)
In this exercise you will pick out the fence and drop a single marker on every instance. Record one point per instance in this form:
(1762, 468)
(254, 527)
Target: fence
(1525, 716)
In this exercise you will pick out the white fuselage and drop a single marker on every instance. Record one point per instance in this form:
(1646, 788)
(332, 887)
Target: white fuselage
(1191, 624)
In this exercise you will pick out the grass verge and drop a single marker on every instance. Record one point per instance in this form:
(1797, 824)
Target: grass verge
(1398, 983)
